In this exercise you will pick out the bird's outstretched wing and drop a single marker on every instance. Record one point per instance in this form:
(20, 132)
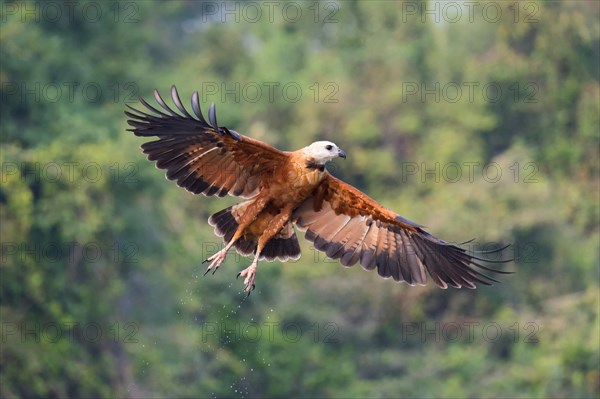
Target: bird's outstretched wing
(201, 156)
(346, 224)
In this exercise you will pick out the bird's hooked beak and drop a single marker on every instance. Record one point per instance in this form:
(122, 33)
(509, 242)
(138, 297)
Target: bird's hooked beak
(341, 153)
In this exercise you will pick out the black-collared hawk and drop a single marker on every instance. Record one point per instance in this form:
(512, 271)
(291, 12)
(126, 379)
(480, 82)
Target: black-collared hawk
(285, 189)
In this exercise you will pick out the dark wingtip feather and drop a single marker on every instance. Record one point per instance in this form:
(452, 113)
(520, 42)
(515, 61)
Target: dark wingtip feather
(150, 107)
(163, 103)
(493, 251)
(131, 108)
(212, 116)
(177, 102)
(452, 264)
(408, 222)
(196, 107)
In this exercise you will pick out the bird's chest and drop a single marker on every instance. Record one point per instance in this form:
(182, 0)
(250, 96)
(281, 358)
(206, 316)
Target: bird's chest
(295, 184)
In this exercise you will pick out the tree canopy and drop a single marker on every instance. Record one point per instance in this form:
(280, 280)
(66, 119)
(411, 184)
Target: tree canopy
(476, 120)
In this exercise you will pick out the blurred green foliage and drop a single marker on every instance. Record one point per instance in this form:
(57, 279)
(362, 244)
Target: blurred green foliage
(101, 289)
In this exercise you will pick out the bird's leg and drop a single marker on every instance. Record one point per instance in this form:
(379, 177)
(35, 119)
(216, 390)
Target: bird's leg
(250, 274)
(274, 227)
(217, 259)
(246, 220)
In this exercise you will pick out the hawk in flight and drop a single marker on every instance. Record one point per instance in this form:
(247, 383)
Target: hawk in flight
(282, 189)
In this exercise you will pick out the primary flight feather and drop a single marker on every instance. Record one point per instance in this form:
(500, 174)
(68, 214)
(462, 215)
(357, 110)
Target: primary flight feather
(283, 189)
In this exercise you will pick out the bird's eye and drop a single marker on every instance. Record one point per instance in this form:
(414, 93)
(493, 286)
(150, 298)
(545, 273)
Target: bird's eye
(328, 147)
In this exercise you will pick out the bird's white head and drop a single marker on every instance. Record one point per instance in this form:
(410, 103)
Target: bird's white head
(322, 152)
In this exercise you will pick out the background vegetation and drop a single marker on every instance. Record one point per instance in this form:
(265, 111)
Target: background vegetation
(101, 290)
